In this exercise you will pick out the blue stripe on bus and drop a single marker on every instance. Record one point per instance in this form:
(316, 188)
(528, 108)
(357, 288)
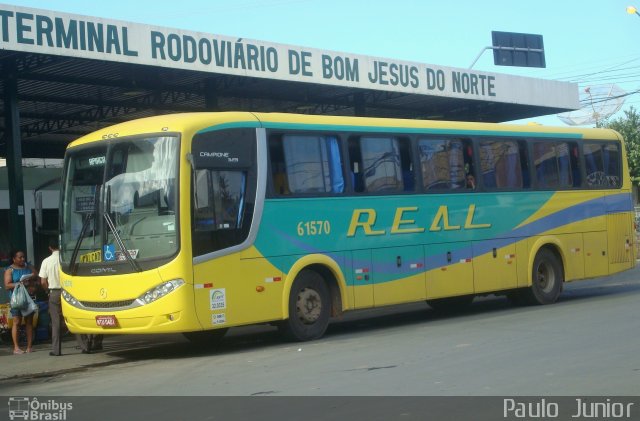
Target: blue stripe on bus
(589, 209)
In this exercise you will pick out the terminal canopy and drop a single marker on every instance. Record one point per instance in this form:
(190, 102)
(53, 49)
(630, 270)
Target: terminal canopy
(70, 75)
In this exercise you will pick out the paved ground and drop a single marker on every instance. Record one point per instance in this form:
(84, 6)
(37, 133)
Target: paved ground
(119, 349)
(40, 364)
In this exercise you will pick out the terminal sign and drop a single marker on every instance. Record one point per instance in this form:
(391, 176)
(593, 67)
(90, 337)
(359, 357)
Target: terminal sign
(48, 32)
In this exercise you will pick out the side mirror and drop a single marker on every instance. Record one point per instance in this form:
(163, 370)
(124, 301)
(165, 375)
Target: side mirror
(38, 199)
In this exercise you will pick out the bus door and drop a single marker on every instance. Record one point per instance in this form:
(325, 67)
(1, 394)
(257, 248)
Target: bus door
(362, 276)
(399, 275)
(449, 269)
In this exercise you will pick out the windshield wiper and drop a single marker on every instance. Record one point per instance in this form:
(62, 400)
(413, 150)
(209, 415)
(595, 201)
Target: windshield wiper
(116, 235)
(72, 263)
(85, 224)
(118, 239)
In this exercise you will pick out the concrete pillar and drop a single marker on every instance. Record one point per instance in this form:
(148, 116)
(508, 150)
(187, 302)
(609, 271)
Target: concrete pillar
(17, 232)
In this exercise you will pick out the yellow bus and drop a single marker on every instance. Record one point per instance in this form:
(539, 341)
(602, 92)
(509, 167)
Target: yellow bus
(199, 222)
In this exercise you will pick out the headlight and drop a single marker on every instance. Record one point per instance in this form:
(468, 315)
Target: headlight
(69, 298)
(160, 291)
(146, 298)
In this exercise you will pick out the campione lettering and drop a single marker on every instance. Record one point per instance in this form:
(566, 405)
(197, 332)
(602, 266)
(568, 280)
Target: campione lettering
(214, 154)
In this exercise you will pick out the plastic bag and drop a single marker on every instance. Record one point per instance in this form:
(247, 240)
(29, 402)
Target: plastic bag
(31, 307)
(19, 298)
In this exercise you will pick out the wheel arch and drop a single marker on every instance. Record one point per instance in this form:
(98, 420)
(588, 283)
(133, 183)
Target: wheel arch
(553, 245)
(330, 271)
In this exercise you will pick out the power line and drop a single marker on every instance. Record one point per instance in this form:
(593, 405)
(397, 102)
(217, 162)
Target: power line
(607, 70)
(586, 66)
(577, 78)
(603, 98)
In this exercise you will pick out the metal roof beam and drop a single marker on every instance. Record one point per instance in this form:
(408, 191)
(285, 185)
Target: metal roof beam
(155, 100)
(49, 123)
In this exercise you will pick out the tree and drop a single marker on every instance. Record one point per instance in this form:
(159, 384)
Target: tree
(629, 127)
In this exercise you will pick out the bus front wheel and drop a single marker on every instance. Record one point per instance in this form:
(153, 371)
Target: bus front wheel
(309, 308)
(547, 278)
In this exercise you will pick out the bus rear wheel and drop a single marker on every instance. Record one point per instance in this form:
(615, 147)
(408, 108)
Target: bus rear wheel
(206, 337)
(309, 308)
(547, 278)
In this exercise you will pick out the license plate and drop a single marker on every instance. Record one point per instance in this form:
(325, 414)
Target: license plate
(106, 321)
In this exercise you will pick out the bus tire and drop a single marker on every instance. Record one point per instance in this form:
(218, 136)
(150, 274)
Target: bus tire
(547, 278)
(206, 337)
(309, 308)
(451, 304)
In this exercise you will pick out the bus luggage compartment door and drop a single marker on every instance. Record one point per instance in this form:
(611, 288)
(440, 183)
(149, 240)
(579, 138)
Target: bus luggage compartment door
(450, 270)
(362, 278)
(399, 275)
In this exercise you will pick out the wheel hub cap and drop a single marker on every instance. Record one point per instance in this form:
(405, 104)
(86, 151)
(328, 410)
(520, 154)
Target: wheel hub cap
(546, 277)
(308, 306)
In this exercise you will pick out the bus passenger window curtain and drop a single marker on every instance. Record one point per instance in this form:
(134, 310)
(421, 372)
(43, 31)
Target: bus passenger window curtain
(335, 165)
(564, 165)
(513, 172)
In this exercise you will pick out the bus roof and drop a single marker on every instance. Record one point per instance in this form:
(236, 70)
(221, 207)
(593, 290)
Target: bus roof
(191, 123)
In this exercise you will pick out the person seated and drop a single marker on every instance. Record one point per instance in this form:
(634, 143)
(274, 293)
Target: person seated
(471, 182)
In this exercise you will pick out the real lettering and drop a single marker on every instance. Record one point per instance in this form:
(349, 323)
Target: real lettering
(407, 220)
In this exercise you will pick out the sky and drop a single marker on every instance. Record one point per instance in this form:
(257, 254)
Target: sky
(590, 42)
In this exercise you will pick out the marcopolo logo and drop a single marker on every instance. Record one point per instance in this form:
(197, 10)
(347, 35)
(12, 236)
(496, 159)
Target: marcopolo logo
(33, 409)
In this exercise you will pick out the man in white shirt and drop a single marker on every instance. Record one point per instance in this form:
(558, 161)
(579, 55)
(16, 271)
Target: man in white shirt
(50, 279)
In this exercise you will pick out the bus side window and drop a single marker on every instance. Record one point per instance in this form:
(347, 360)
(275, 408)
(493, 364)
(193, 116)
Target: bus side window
(612, 165)
(594, 165)
(446, 164)
(556, 164)
(278, 170)
(500, 164)
(381, 164)
(306, 164)
(546, 165)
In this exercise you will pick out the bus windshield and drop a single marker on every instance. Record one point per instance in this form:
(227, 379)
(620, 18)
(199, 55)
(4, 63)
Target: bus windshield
(120, 198)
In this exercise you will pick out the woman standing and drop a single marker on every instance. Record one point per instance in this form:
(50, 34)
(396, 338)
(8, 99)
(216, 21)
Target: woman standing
(12, 275)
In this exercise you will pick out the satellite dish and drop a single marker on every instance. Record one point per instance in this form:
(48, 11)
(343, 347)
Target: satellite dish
(598, 102)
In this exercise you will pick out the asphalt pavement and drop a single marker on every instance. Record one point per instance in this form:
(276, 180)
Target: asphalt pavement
(40, 364)
(120, 349)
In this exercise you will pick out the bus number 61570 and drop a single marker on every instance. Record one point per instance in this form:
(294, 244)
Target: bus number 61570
(313, 228)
